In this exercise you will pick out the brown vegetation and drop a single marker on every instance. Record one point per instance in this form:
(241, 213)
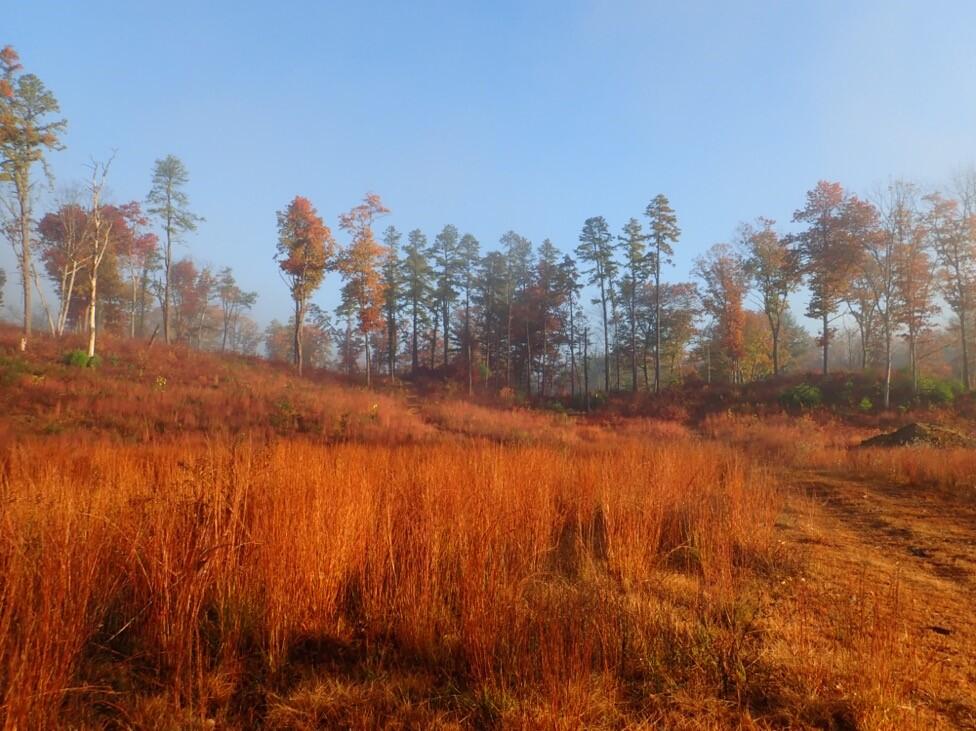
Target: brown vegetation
(194, 554)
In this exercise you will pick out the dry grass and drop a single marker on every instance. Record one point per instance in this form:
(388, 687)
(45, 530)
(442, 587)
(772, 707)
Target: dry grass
(497, 581)
(242, 549)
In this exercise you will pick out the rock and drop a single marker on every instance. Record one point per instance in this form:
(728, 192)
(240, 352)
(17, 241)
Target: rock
(919, 434)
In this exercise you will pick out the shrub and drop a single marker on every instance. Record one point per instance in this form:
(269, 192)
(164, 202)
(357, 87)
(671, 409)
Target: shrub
(865, 404)
(802, 395)
(937, 391)
(80, 359)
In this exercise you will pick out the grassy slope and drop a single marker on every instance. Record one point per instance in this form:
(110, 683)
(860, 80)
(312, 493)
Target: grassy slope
(191, 539)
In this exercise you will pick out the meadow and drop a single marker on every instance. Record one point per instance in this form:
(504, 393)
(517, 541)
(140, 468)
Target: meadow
(192, 541)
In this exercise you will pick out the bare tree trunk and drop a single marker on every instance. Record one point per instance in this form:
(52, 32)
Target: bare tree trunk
(92, 299)
(168, 271)
(826, 342)
(23, 199)
(657, 320)
(586, 369)
(887, 381)
(572, 352)
(299, 322)
(967, 382)
(366, 344)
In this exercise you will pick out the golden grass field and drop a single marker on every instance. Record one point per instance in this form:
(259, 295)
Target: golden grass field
(188, 541)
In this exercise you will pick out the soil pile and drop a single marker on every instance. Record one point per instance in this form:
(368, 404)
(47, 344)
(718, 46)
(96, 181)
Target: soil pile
(919, 434)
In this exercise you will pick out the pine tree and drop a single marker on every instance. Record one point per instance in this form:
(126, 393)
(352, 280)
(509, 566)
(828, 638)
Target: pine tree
(417, 289)
(663, 231)
(26, 133)
(596, 249)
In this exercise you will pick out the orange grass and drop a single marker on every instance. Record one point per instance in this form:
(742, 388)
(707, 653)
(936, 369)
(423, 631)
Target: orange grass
(207, 577)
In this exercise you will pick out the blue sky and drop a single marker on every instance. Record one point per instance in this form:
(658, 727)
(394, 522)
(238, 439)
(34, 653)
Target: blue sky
(506, 115)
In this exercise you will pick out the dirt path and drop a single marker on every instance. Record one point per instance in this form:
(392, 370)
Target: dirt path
(903, 563)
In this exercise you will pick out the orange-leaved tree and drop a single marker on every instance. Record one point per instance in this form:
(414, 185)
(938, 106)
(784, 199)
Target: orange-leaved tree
(359, 263)
(725, 282)
(305, 252)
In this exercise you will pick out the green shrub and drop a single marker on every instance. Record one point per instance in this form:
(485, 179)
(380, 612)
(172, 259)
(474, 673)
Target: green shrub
(865, 404)
(938, 391)
(80, 359)
(802, 395)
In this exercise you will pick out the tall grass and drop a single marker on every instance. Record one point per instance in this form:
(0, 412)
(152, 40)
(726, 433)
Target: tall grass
(198, 574)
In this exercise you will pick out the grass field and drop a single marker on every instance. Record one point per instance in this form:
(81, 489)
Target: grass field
(188, 541)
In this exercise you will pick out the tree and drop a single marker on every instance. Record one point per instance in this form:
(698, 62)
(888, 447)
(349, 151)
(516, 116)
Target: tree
(392, 294)
(170, 205)
(61, 239)
(680, 308)
(492, 290)
(774, 267)
(444, 253)
(725, 282)
(26, 133)
(550, 293)
(596, 249)
(633, 243)
(97, 238)
(663, 232)
(891, 256)
(569, 278)
(915, 287)
(952, 231)
(304, 254)
(417, 275)
(518, 263)
(467, 260)
(3, 283)
(359, 264)
(136, 251)
(233, 301)
(829, 252)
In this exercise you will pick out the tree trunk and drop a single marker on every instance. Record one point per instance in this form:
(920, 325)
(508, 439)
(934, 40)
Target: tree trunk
(414, 352)
(633, 340)
(23, 199)
(366, 345)
(299, 323)
(775, 335)
(657, 320)
(586, 370)
(967, 383)
(606, 340)
(887, 381)
(92, 299)
(166, 276)
(572, 353)
(446, 325)
(826, 341)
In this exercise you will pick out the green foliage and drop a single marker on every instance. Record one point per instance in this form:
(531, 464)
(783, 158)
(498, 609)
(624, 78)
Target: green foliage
(802, 395)
(938, 391)
(80, 359)
(865, 404)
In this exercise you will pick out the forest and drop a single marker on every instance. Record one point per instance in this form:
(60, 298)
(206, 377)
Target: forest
(889, 277)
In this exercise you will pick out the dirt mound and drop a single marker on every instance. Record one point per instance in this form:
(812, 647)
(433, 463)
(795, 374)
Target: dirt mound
(918, 434)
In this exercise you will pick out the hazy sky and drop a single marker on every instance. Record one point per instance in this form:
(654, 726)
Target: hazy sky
(500, 115)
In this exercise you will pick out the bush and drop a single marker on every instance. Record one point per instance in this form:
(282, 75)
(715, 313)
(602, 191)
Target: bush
(938, 391)
(80, 359)
(865, 404)
(802, 395)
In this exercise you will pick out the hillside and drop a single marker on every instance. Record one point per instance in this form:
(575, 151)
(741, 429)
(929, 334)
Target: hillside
(198, 541)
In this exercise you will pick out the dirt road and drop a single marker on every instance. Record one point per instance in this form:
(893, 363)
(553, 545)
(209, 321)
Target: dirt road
(889, 582)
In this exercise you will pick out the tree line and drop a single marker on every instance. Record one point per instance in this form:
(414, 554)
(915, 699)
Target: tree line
(899, 264)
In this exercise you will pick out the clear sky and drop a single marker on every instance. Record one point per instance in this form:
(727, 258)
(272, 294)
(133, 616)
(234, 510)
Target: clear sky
(500, 115)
